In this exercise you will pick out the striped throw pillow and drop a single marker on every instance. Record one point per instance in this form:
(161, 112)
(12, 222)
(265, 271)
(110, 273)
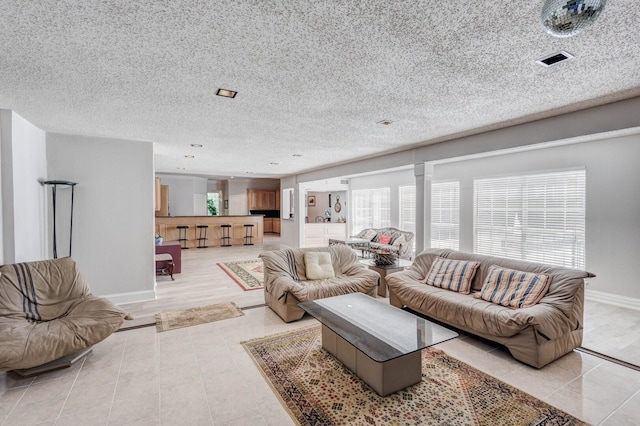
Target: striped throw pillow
(514, 289)
(452, 274)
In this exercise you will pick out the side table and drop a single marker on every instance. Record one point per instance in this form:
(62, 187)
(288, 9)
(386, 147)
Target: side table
(383, 270)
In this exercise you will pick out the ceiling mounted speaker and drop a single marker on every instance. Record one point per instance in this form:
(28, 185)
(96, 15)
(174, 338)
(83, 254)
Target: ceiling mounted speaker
(566, 18)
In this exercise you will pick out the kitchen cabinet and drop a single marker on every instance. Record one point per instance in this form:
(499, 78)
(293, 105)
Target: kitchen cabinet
(268, 224)
(276, 226)
(259, 199)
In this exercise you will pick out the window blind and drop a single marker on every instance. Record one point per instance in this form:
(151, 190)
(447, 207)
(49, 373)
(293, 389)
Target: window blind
(538, 217)
(371, 209)
(408, 208)
(445, 215)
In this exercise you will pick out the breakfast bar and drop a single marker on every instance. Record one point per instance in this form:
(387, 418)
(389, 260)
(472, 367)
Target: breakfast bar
(167, 226)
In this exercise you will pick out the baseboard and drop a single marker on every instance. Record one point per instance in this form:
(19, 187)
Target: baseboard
(612, 299)
(132, 297)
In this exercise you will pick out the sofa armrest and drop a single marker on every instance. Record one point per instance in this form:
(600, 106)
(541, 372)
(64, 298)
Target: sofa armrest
(548, 320)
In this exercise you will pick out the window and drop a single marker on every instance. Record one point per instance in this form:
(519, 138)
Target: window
(213, 203)
(370, 209)
(445, 215)
(540, 218)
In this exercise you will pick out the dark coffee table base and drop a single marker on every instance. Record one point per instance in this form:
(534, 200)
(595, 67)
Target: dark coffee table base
(384, 377)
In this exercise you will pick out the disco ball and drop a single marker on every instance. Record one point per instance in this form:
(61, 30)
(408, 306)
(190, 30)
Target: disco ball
(566, 18)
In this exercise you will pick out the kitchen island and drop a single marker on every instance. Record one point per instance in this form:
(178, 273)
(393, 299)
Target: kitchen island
(167, 227)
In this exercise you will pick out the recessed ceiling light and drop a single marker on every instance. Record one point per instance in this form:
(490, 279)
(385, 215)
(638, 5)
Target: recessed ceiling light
(196, 145)
(227, 93)
(554, 58)
(385, 122)
(297, 155)
(249, 173)
(180, 168)
(274, 163)
(189, 156)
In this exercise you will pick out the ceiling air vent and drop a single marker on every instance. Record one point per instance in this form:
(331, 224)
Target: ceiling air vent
(554, 58)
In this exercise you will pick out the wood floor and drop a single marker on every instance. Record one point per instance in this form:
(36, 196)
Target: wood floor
(202, 282)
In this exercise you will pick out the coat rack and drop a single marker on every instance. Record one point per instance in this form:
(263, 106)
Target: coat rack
(54, 185)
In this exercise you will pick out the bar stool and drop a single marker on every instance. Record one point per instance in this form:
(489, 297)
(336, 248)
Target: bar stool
(182, 236)
(202, 235)
(164, 265)
(248, 234)
(226, 238)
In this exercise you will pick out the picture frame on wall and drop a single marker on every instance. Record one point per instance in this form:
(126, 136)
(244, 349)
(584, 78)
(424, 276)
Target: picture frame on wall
(311, 201)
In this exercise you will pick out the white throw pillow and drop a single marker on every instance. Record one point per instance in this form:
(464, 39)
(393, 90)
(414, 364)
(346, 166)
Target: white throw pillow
(318, 265)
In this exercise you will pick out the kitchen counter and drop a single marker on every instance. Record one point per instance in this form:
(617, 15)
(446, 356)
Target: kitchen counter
(166, 226)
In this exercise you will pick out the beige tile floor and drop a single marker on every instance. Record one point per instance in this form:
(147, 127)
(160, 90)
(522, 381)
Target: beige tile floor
(202, 375)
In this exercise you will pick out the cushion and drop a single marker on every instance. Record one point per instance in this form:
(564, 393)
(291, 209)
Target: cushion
(318, 265)
(512, 288)
(385, 239)
(400, 240)
(369, 234)
(452, 274)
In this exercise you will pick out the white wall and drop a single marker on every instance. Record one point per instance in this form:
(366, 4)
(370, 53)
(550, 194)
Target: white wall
(183, 190)
(114, 211)
(24, 197)
(613, 202)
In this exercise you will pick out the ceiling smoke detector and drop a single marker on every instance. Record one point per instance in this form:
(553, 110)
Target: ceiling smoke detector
(554, 58)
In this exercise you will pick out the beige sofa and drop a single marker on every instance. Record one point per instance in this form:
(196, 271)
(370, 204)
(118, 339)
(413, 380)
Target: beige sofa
(401, 241)
(535, 335)
(286, 283)
(47, 311)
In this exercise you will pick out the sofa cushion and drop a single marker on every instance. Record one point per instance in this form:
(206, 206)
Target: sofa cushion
(318, 265)
(452, 274)
(385, 239)
(369, 234)
(400, 240)
(513, 288)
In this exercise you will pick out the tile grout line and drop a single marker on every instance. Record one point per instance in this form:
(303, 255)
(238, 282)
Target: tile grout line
(115, 389)
(75, 379)
(204, 389)
(18, 401)
(637, 393)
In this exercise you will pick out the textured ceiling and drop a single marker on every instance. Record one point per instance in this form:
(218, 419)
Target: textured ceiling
(313, 78)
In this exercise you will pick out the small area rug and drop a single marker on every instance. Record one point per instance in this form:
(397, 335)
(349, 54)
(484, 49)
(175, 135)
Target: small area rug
(166, 321)
(248, 274)
(317, 389)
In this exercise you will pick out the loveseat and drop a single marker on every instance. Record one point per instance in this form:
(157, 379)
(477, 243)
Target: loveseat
(548, 325)
(288, 280)
(400, 242)
(47, 311)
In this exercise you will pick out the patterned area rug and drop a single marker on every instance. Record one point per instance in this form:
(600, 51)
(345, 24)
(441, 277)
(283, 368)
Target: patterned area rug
(317, 389)
(166, 321)
(248, 274)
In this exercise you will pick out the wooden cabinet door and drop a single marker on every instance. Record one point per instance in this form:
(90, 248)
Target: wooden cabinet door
(268, 224)
(278, 200)
(157, 193)
(276, 226)
(270, 200)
